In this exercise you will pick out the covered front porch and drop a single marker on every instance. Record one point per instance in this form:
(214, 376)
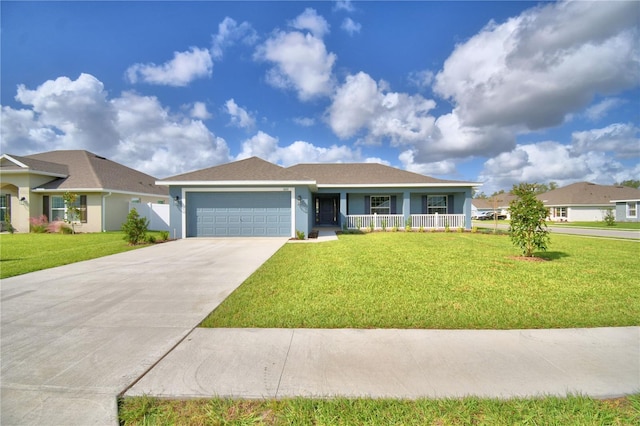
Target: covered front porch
(371, 208)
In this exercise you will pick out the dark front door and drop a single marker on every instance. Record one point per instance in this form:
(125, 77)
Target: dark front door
(327, 211)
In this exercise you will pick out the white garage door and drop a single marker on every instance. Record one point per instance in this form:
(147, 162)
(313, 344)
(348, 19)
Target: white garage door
(239, 214)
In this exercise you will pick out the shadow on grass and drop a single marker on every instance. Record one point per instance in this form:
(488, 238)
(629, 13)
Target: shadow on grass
(552, 255)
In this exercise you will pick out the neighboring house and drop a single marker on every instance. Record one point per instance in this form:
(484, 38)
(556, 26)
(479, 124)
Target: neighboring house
(627, 210)
(585, 201)
(254, 197)
(34, 185)
(498, 203)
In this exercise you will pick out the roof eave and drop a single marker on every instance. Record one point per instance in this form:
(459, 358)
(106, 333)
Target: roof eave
(99, 190)
(234, 182)
(397, 185)
(33, 171)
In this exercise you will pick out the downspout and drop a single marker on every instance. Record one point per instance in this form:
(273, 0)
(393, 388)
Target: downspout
(104, 211)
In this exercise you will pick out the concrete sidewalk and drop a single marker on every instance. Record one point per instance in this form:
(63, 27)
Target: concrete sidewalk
(278, 363)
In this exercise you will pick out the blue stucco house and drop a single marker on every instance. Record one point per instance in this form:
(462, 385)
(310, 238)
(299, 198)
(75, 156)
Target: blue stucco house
(253, 197)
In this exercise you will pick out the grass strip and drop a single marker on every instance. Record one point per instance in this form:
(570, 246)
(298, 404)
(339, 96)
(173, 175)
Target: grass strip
(573, 410)
(23, 253)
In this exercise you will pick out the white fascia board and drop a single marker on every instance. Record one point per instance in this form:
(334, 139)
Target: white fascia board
(398, 185)
(625, 201)
(14, 161)
(33, 172)
(99, 190)
(234, 182)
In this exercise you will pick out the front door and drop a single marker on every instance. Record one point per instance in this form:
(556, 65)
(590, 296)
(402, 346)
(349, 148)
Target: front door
(326, 211)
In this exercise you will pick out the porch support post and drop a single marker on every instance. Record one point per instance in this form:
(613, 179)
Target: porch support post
(406, 206)
(343, 209)
(467, 207)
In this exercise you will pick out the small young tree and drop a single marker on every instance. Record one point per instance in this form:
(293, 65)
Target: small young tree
(528, 229)
(135, 228)
(73, 211)
(609, 217)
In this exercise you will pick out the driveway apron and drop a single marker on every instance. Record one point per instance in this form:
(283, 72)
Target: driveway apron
(76, 336)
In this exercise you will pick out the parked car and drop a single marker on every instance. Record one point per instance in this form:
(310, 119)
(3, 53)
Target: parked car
(493, 216)
(480, 215)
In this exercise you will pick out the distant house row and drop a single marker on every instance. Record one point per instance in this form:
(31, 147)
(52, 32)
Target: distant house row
(578, 202)
(253, 197)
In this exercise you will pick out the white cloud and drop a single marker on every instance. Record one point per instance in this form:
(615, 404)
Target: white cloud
(444, 167)
(362, 105)
(301, 63)
(266, 147)
(199, 111)
(229, 32)
(535, 69)
(239, 116)
(350, 26)
(304, 121)
(345, 5)
(602, 108)
(134, 130)
(180, 71)
(421, 79)
(619, 138)
(310, 20)
(75, 114)
(551, 161)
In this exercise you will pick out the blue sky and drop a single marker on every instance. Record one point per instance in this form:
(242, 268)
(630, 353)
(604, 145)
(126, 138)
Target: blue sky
(492, 92)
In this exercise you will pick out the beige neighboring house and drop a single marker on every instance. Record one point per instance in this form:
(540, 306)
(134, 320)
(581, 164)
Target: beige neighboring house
(585, 201)
(498, 203)
(34, 185)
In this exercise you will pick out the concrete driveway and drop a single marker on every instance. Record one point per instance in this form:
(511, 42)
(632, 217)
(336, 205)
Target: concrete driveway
(76, 336)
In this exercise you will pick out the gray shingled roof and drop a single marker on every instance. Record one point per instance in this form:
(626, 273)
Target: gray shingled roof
(362, 174)
(585, 193)
(90, 171)
(34, 165)
(249, 169)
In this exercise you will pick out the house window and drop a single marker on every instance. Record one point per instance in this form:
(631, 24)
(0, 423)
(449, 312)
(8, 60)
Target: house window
(560, 212)
(59, 210)
(4, 207)
(380, 204)
(632, 209)
(437, 204)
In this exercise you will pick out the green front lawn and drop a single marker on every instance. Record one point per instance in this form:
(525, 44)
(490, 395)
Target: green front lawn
(22, 253)
(439, 281)
(574, 410)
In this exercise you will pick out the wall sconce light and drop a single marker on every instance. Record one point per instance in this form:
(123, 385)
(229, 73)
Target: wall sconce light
(299, 199)
(23, 201)
(176, 200)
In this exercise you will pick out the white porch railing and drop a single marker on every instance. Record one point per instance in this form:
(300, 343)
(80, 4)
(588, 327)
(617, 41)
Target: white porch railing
(388, 221)
(378, 221)
(438, 221)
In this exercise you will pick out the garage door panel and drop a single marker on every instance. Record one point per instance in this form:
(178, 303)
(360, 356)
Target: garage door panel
(211, 214)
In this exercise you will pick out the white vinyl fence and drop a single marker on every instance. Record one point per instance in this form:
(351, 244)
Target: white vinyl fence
(157, 214)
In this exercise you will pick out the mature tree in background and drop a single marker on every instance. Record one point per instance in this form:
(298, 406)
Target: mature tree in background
(528, 229)
(630, 183)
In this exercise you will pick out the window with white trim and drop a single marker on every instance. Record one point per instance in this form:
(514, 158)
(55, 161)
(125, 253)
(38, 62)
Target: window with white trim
(632, 209)
(560, 212)
(58, 209)
(4, 207)
(380, 204)
(437, 204)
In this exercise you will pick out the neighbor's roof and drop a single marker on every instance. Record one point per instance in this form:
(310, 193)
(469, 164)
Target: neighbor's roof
(84, 170)
(586, 193)
(249, 169)
(14, 163)
(501, 201)
(365, 174)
